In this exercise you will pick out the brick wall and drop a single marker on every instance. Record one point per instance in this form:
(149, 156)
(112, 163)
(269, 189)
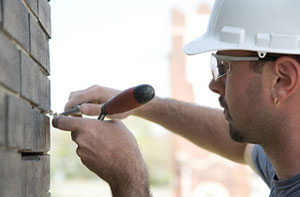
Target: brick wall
(24, 94)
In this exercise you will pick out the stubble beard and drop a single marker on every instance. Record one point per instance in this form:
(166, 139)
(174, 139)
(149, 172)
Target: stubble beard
(234, 133)
(248, 134)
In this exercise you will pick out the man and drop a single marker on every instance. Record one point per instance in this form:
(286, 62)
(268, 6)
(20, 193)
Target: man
(256, 72)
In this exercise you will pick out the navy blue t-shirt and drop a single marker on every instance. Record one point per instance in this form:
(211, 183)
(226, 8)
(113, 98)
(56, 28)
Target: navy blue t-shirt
(284, 188)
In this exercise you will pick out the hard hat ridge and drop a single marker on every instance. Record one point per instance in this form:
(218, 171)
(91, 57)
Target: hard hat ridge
(266, 26)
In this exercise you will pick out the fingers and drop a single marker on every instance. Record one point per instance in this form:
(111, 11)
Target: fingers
(74, 135)
(82, 96)
(77, 99)
(95, 94)
(68, 123)
(90, 109)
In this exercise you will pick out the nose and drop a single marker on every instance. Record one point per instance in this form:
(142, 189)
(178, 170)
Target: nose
(217, 86)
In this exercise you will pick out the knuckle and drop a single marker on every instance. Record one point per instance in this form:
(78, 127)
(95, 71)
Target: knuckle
(67, 106)
(79, 151)
(85, 109)
(72, 95)
(58, 122)
(95, 86)
(74, 135)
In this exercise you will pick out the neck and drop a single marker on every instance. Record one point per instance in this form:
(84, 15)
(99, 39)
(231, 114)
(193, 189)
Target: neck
(284, 154)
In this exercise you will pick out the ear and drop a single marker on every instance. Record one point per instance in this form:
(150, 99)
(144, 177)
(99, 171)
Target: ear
(287, 73)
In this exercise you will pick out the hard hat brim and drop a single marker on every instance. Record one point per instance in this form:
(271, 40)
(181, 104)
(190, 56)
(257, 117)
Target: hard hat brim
(206, 44)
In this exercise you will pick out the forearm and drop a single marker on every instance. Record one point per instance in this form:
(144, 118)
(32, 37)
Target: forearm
(203, 126)
(135, 186)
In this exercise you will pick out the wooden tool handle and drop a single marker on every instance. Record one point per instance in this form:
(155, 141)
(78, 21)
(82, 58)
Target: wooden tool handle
(128, 100)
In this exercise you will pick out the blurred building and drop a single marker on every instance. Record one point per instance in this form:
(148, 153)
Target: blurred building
(196, 171)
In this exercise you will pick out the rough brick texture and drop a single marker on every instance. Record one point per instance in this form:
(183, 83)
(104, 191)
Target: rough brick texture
(1, 11)
(33, 4)
(16, 21)
(11, 174)
(38, 93)
(18, 123)
(36, 171)
(2, 119)
(44, 16)
(9, 64)
(24, 94)
(39, 42)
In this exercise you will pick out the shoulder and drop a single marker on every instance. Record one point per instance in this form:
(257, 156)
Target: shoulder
(257, 159)
(248, 155)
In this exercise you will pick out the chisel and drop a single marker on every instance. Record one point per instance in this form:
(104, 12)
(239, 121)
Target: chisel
(125, 101)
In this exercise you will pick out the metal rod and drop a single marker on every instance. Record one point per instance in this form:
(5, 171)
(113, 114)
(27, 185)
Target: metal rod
(101, 116)
(73, 110)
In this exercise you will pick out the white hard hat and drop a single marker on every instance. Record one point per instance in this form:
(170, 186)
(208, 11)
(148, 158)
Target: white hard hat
(254, 25)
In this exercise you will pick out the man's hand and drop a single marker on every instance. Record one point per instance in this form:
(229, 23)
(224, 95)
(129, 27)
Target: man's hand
(110, 150)
(91, 100)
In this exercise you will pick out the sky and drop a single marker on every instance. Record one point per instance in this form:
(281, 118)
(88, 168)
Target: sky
(115, 43)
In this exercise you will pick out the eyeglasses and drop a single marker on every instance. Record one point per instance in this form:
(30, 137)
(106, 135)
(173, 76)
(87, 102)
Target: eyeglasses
(220, 64)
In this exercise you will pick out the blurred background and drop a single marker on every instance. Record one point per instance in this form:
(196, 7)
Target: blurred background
(120, 44)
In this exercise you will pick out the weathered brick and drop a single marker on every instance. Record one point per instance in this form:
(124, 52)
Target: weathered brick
(1, 11)
(27, 129)
(30, 79)
(2, 118)
(48, 135)
(16, 21)
(45, 94)
(40, 132)
(39, 44)
(9, 64)
(35, 86)
(36, 175)
(19, 124)
(33, 4)
(44, 15)
(11, 174)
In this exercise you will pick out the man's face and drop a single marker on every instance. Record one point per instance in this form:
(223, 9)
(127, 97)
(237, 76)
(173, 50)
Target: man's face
(242, 97)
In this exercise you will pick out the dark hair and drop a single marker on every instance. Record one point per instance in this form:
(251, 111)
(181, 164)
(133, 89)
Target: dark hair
(257, 67)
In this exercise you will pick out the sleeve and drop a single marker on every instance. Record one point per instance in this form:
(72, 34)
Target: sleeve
(262, 165)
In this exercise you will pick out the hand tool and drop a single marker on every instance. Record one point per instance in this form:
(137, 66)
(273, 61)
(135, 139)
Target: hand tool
(73, 110)
(126, 100)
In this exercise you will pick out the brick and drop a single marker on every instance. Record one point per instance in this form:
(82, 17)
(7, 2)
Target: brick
(41, 133)
(27, 129)
(9, 64)
(39, 45)
(16, 21)
(2, 118)
(33, 4)
(10, 171)
(48, 135)
(35, 86)
(19, 124)
(30, 79)
(45, 16)
(1, 11)
(45, 94)
(36, 179)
